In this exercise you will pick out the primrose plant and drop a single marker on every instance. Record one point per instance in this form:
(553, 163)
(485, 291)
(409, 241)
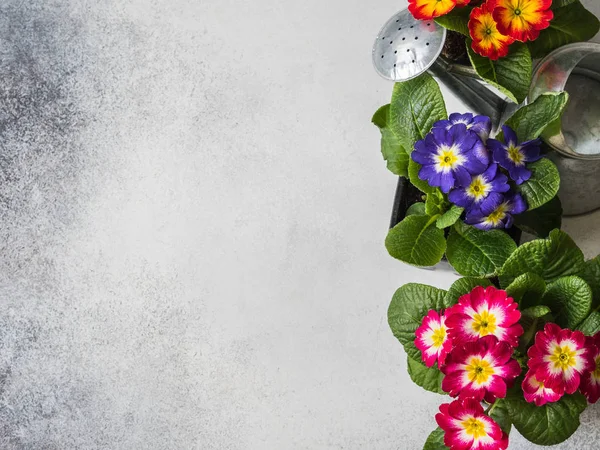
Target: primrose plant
(473, 188)
(521, 348)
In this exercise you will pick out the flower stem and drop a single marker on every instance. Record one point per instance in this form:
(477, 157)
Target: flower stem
(491, 408)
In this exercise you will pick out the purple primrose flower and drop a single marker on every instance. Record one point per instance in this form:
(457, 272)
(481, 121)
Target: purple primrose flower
(449, 157)
(497, 215)
(484, 191)
(482, 125)
(514, 156)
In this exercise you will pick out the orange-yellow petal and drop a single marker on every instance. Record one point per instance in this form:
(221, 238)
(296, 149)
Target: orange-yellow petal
(428, 9)
(522, 19)
(487, 40)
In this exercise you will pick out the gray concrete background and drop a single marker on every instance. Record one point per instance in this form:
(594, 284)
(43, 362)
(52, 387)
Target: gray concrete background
(192, 215)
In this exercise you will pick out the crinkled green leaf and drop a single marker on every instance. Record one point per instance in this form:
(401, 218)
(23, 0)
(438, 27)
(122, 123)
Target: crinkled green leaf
(450, 217)
(570, 299)
(543, 184)
(417, 241)
(429, 378)
(435, 440)
(541, 221)
(392, 151)
(530, 121)
(456, 20)
(551, 258)
(463, 286)
(511, 74)
(416, 105)
(527, 290)
(413, 175)
(591, 275)
(409, 306)
(571, 23)
(549, 424)
(591, 325)
(416, 208)
(474, 252)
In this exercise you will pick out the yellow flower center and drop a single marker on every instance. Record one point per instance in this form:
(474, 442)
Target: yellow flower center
(596, 372)
(522, 12)
(447, 158)
(435, 8)
(439, 336)
(563, 357)
(484, 323)
(479, 370)
(497, 215)
(478, 188)
(474, 427)
(515, 155)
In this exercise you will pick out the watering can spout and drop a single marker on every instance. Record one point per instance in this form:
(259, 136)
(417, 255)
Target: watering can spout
(463, 82)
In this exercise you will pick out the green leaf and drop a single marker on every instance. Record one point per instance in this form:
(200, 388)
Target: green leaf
(409, 306)
(530, 121)
(541, 221)
(456, 20)
(392, 151)
(435, 441)
(429, 378)
(527, 290)
(511, 74)
(571, 23)
(570, 299)
(551, 258)
(550, 424)
(560, 3)
(591, 325)
(474, 252)
(435, 203)
(417, 241)
(463, 286)
(416, 105)
(591, 275)
(416, 208)
(543, 184)
(413, 176)
(450, 217)
(535, 312)
(500, 414)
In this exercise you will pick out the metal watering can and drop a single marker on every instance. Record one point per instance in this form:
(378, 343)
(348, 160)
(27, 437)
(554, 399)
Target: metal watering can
(406, 47)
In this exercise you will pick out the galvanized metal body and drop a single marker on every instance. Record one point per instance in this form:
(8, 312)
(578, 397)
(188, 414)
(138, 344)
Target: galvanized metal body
(575, 68)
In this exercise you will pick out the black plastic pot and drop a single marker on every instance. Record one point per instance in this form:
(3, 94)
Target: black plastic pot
(407, 195)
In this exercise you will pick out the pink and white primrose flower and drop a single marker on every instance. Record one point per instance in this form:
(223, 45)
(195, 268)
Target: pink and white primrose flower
(484, 312)
(559, 358)
(536, 392)
(590, 381)
(467, 427)
(480, 369)
(432, 339)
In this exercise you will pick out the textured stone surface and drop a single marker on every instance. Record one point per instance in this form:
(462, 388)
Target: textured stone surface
(192, 216)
